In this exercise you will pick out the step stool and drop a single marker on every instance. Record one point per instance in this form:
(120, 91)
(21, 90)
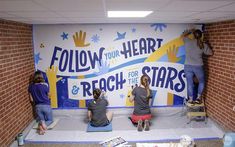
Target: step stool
(196, 110)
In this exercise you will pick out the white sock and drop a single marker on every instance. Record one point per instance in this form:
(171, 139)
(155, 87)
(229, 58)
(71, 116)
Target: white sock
(190, 99)
(198, 96)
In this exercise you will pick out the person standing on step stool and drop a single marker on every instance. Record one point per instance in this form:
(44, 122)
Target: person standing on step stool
(142, 96)
(97, 110)
(195, 47)
(39, 95)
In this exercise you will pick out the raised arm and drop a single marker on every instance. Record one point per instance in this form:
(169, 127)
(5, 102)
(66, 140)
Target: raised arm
(132, 95)
(207, 49)
(186, 33)
(89, 115)
(150, 102)
(31, 98)
(131, 98)
(150, 98)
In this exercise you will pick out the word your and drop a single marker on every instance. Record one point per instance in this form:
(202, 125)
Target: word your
(111, 55)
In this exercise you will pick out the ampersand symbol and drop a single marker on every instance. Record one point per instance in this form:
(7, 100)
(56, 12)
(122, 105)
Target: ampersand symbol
(75, 90)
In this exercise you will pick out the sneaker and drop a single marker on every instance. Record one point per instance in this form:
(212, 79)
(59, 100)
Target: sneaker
(190, 101)
(146, 125)
(198, 101)
(140, 125)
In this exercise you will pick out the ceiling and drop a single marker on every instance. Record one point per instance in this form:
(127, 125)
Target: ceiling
(94, 11)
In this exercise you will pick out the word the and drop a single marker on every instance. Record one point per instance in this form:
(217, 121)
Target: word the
(133, 77)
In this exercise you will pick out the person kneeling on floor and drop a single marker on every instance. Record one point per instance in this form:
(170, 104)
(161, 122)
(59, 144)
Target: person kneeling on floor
(97, 110)
(142, 96)
(39, 95)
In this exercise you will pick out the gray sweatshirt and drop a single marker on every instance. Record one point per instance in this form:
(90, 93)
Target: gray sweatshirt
(194, 53)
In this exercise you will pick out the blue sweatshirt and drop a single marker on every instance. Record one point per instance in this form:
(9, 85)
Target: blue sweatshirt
(39, 92)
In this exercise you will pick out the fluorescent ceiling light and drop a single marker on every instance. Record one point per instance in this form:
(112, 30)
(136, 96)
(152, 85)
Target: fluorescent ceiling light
(128, 13)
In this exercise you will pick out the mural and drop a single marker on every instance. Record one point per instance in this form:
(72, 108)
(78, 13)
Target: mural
(78, 58)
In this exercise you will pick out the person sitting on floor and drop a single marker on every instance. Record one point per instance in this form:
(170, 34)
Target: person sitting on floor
(97, 110)
(39, 95)
(142, 96)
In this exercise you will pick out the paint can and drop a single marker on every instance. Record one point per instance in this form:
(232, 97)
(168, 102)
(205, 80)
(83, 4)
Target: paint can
(20, 139)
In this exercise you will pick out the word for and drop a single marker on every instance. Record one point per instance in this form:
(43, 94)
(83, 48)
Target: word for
(133, 77)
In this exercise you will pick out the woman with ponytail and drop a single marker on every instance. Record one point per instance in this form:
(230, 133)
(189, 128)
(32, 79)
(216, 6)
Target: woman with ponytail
(195, 47)
(141, 96)
(97, 110)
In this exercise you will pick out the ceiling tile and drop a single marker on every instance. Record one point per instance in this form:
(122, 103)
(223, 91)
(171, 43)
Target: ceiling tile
(83, 14)
(171, 14)
(94, 11)
(131, 5)
(230, 7)
(212, 16)
(194, 5)
(5, 15)
(72, 5)
(34, 14)
(47, 19)
(53, 20)
(88, 20)
(21, 5)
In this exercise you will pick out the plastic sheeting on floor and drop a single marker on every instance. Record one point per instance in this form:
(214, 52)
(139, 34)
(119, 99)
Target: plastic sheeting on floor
(167, 124)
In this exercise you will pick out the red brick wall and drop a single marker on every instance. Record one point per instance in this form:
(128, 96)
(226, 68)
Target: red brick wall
(220, 69)
(16, 65)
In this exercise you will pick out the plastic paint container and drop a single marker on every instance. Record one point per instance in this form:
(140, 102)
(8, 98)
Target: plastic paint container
(20, 139)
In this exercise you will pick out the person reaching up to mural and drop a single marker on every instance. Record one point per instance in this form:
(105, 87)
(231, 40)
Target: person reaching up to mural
(142, 96)
(97, 110)
(195, 47)
(39, 95)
